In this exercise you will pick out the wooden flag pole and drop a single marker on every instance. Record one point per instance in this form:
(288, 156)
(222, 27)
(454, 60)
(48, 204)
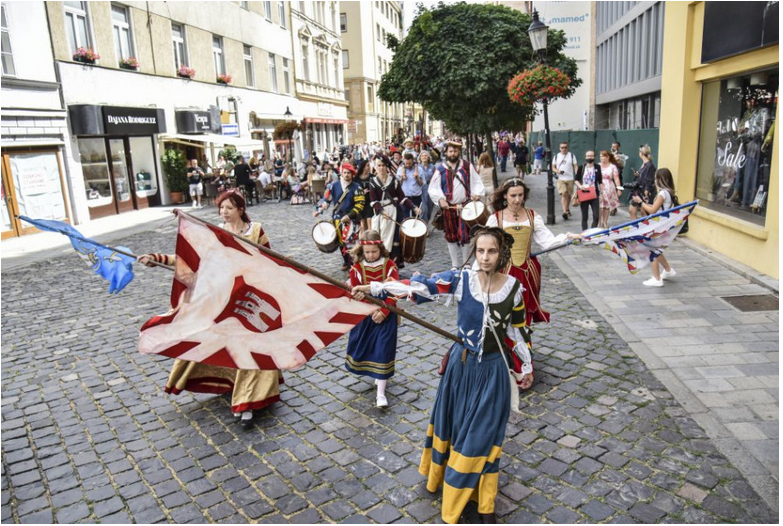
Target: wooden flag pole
(329, 279)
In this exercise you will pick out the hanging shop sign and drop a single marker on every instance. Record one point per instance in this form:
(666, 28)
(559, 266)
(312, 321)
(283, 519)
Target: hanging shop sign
(91, 119)
(193, 121)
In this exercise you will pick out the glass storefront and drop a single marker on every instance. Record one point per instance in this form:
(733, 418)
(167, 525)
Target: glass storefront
(96, 172)
(735, 144)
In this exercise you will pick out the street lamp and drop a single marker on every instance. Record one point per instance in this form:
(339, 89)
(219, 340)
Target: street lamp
(538, 35)
(288, 118)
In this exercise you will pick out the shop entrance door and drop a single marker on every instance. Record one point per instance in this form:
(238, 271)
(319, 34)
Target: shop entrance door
(118, 165)
(32, 185)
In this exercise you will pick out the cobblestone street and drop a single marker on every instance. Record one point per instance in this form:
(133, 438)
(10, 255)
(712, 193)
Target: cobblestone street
(90, 436)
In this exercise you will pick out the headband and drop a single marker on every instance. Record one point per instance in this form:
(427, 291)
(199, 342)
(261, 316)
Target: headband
(368, 242)
(513, 180)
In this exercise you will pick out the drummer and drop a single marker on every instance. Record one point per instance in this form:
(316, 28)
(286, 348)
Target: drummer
(388, 200)
(454, 184)
(348, 205)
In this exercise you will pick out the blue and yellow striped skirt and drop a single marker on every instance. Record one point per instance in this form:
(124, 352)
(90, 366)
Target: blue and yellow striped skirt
(466, 431)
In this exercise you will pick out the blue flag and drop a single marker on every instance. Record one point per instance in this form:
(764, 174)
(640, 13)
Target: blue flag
(112, 266)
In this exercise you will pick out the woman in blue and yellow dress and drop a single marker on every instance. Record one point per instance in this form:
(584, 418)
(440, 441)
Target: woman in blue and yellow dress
(474, 399)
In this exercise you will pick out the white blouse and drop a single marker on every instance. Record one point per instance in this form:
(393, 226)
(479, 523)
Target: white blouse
(541, 234)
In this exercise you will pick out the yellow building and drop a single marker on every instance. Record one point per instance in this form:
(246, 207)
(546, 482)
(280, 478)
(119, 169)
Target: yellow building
(718, 123)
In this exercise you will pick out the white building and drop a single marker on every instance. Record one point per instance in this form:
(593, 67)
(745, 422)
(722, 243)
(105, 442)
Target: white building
(121, 120)
(318, 73)
(35, 140)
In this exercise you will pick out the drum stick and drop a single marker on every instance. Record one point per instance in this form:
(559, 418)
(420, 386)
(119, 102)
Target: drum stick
(328, 279)
(390, 219)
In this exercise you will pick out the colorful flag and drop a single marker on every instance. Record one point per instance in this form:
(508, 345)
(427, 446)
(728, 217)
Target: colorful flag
(112, 266)
(640, 241)
(234, 306)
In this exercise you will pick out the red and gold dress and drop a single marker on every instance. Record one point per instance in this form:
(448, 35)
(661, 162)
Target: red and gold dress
(251, 389)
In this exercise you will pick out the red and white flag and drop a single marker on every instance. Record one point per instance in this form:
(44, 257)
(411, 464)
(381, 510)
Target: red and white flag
(234, 306)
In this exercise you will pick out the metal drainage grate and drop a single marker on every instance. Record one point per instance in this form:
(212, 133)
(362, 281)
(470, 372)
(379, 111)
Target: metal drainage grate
(752, 303)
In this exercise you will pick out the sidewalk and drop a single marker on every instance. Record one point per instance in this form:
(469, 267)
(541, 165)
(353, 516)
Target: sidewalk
(721, 364)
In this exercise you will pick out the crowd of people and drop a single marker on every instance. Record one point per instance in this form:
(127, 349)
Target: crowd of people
(372, 191)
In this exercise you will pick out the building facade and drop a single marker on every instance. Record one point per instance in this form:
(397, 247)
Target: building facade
(628, 58)
(366, 58)
(138, 78)
(718, 122)
(35, 143)
(318, 67)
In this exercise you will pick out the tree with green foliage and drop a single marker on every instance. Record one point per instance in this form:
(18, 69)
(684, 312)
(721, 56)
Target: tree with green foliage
(457, 61)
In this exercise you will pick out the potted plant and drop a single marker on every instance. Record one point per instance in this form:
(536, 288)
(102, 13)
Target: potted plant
(129, 63)
(86, 55)
(186, 72)
(175, 170)
(223, 79)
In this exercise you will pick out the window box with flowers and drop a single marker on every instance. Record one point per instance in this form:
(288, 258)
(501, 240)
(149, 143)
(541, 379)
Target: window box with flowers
(129, 63)
(86, 55)
(186, 72)
(224, 79)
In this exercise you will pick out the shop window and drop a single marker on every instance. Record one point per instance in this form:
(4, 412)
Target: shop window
(8, 56)
(145, 182)
(77, 25)
(735, 144)
(95, 168)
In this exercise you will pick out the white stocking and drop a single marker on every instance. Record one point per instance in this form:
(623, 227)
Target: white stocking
(454, 253)
(381, 387)
(465, 254)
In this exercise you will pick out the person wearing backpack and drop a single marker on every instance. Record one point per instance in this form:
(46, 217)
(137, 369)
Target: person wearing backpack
(664, 200)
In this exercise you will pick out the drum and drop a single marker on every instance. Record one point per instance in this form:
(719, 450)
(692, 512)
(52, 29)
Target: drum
(325, 236)
(413, 235)
(474, 213)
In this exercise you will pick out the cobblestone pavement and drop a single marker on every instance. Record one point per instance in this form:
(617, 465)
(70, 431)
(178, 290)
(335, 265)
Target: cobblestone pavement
(89, 435)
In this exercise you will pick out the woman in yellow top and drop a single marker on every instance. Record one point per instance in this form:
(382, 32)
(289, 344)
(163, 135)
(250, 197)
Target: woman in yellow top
(251, 389)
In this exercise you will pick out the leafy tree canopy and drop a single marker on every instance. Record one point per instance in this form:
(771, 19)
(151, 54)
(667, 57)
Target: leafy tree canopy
(457, 61)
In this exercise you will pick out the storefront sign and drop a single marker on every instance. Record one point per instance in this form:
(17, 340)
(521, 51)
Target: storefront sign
(193, 121)
(352, 126)
(324, 109)
(133, 121)
(230, 129)
(731, 28)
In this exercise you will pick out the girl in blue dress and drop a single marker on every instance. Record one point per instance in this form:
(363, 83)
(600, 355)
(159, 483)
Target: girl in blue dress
(476, 394)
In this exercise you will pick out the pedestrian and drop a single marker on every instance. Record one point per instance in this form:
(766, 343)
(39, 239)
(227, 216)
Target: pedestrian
(645, 181)
(242, 173)
(525, 226)
(426, 171)
(454, 184)
(372, 345)
(396, 161)
(474, 399)
(538, 158)
(664, 200)
(588, 182)
(250, 390)
(565, 165)
(485, 168)
(610, 191)
(411, 182)
(503, 150)
(521, 160)
(195, 183)
(348, 202)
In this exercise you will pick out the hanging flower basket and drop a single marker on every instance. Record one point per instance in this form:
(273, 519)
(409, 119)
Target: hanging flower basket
(224, 79)
(129, 63)
(538, 83)
(86, 55)
(186, 72)
(285, 129)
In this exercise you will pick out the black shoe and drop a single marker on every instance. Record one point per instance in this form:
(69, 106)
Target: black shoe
(488, 518)
(247, 424)
(565, 215)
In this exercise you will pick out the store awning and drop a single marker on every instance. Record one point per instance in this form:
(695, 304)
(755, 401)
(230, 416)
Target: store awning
(240, 143)
(326, 121)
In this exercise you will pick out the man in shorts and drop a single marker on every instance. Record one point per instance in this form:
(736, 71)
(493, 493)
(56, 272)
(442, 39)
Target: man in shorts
(195, 184)
(538, 158)
(564, 166)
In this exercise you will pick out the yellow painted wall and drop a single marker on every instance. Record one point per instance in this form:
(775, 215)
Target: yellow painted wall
(683, 74)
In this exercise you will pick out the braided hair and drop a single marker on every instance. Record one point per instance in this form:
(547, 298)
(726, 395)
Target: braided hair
(503, 239)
